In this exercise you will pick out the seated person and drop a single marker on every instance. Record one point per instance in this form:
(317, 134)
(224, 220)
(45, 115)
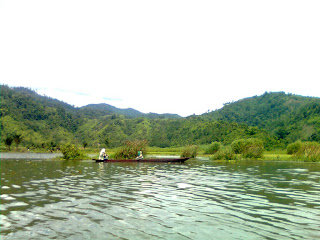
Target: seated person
(103, 155)
(140, 156)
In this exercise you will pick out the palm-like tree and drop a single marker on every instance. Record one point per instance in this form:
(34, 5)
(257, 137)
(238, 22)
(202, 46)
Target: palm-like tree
(17, 139)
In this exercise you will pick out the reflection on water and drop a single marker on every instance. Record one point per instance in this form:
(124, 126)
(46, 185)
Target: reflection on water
(197, 200)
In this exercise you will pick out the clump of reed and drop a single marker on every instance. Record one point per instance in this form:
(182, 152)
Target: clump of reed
(213, 148)
(224, 153)
(190, 151)
(240, 149)
(305, 151)
(130, 149)
(248, 148)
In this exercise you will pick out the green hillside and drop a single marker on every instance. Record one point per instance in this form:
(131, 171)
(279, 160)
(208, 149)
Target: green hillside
(39, 120)
(289, 117)
(42, 122)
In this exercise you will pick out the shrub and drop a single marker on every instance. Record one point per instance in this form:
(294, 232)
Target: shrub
(294, 147)
(190, 151)
(130, 149)
(238, 146)
(70, 151)
(253, 151)
(213, 148)
(225, 153)
(249, 148)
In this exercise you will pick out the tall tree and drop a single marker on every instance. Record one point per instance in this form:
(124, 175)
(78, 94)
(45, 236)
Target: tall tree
(8, 141)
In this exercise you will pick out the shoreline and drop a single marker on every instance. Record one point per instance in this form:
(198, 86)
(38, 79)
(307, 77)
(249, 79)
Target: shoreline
(269, 156)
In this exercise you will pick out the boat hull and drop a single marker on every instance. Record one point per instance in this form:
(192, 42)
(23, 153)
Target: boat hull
(179, 160)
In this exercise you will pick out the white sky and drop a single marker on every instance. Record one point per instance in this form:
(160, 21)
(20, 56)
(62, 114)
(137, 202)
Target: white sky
(168, 56)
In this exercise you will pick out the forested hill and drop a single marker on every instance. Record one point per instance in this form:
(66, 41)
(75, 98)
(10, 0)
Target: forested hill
(289, 116)
(99, 110)
(43, 122)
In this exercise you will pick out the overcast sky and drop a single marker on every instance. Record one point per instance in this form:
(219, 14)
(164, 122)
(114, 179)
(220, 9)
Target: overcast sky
(164, 56)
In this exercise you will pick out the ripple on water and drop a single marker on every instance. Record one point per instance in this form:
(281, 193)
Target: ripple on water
(148, 201)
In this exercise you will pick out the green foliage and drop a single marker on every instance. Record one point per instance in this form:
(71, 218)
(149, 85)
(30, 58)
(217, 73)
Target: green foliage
(253, 151)
(309, 152)
(224, 153)
(213, 148)
(282, 133)
(294, 147)
(8, 141)
(130, 149)
(71, 152)
(190, 151)
(238, 146)
(249, 148)
(17, 138)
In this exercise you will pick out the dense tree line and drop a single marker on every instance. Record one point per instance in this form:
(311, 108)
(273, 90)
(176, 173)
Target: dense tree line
(42, 122)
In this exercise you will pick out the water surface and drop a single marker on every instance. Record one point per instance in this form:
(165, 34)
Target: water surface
(46, 199)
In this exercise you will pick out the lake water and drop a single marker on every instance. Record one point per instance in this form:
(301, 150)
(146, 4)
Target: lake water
(48, 199)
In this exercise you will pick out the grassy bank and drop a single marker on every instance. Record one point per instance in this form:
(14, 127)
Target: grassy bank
(277, 155)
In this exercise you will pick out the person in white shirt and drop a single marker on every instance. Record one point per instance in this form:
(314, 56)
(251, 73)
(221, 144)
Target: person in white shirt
(103, 155)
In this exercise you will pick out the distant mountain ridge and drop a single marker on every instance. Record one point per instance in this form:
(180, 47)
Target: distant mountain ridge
(105, 109)
(91, 110)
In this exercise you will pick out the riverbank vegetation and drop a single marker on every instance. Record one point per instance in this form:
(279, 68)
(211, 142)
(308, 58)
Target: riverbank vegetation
(252, 128)
(130, 149)
(306, 151)
(190, 151)
(71, 152)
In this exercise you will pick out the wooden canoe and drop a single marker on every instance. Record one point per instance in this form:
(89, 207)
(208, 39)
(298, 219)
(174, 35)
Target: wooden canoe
(180, 160)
